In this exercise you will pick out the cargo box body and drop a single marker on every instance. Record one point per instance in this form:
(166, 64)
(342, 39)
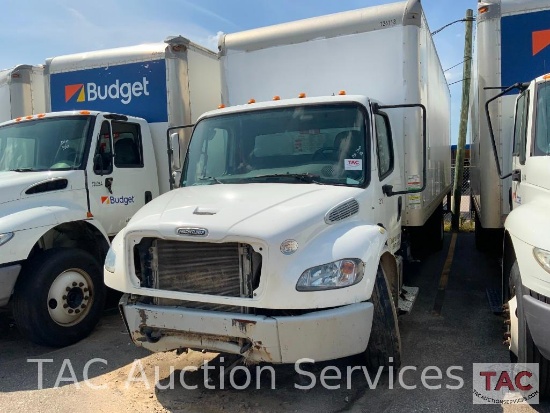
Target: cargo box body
(385, 53)
(21, 92)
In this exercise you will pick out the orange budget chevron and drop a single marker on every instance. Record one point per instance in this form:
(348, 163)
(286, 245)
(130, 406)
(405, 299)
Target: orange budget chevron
(71, 90)
(541, 40)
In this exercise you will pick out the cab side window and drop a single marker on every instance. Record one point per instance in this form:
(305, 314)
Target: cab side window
(520, 127)
(103, 153)
(128, 146)
(384, 145)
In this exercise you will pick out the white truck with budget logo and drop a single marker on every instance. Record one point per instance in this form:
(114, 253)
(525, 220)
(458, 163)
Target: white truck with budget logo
(72, 177)
(286, 238)
(512, 45)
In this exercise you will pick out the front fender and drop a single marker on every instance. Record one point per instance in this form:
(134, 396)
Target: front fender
(31, 224)
(530, 223)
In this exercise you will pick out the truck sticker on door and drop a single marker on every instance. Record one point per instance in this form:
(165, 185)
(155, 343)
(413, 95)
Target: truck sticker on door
(123, 200)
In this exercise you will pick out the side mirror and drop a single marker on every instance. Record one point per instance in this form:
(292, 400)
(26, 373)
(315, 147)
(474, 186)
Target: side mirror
(175, 148)
(98, 164)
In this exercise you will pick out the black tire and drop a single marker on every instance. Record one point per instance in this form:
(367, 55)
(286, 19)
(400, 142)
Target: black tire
(527, 350)
(481, 235)
(59, 297)
(385, 340)
(428, 238)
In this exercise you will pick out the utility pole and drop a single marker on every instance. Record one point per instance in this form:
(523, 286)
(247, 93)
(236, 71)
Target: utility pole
(461, 146)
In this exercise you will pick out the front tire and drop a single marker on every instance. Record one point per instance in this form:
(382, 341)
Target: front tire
(59, 297)
(527, 349)
(385, 340)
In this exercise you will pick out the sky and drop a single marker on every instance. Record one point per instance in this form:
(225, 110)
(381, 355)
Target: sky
(33, 30)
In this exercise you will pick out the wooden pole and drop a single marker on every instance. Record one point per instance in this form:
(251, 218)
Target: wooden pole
(461, 146)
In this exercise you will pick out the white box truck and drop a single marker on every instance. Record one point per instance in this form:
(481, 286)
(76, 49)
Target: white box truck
(21, 92)
(285, 239)
(511, 47)
(71, 178)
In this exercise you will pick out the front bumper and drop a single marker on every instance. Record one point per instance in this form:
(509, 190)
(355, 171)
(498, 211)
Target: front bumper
(537, 314)
(320, 335)
(8, 277)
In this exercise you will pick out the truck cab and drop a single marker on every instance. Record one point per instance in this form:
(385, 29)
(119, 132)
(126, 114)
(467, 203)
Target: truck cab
(69, 182)
(526, 254)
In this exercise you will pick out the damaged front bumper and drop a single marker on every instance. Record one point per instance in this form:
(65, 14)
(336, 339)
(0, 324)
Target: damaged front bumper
(320, 335)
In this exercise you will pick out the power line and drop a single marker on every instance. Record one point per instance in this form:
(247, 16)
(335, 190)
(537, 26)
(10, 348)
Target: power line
(458, 64)
(456, 21)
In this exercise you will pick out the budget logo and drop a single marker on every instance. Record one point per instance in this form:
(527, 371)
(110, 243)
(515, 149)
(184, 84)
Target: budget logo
(77, 90)
(105, 200)
(122, 200)
(506, 383)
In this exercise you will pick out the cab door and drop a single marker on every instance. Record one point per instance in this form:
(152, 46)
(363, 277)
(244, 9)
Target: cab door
(119, 184)
(519, 155)
(390, 206)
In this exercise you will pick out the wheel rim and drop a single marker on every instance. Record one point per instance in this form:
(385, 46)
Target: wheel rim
(70, 297)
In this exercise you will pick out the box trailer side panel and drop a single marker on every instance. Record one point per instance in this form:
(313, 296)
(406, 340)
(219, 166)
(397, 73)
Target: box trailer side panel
(510, 48)
(21, 92)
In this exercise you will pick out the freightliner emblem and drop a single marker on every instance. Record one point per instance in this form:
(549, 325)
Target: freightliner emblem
(192, 232)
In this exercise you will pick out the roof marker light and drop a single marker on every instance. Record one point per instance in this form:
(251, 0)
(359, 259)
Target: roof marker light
(41, 115)
(28, 117)
(84, 112)
(342, 92)
(251, 101)
(18, 119)
(302, 95)
(483, 9)
(276, 97)
(546, 77)
(221, 106)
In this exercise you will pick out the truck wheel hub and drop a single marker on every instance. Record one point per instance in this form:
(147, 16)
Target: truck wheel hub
(70, 297)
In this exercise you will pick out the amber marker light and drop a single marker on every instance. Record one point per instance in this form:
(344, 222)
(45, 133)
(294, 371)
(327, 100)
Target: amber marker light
(483, 9)
(546, 77)
(18, 119)
(84, 112)
(221, 106)
(251, 101)
(89, 214)
(302, 95)
(28, 117)
(276, 97)
(41, 115)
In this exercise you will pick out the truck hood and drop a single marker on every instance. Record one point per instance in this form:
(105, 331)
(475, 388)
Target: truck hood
(14, 184)
(252, 210)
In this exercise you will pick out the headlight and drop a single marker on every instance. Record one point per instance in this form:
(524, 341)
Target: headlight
(110, 261)
(337, 274)
(543, 258)
(5, 237)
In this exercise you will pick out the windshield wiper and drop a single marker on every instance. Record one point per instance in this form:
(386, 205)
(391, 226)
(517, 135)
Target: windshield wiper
(23, 170)
(307, 178)
(210, 178)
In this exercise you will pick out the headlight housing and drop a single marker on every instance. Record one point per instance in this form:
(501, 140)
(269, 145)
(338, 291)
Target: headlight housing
(543, 258)
(337, 274)
(5, 237)
(110, 260)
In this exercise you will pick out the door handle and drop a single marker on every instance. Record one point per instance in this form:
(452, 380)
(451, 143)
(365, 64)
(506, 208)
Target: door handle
(516, 175)
(109, 184)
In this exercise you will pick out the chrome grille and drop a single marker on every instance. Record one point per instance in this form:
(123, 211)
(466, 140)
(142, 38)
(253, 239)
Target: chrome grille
(342, 211)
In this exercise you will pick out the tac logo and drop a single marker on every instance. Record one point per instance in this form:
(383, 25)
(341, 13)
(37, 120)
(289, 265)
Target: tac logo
(505, 383)
(75, 90)
(122, 200)
(353, 164)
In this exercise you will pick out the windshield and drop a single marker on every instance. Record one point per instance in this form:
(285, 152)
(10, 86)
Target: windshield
(542, 131)
(45, 144)
(322, 144)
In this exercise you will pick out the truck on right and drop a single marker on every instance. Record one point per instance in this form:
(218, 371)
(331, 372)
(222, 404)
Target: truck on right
(526, 246)
(512, 45)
